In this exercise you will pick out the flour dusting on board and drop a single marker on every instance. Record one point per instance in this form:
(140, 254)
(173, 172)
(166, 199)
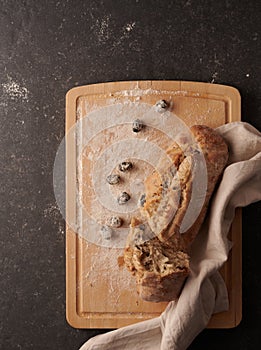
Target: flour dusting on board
(108, 264)
(141, 92)
(137, 93)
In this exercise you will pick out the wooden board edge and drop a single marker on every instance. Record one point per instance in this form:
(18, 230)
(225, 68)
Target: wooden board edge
(72, 317)
(108, 87)
(183, 84)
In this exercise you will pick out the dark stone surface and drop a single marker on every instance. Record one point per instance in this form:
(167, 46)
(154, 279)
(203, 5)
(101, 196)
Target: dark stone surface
(47, 47)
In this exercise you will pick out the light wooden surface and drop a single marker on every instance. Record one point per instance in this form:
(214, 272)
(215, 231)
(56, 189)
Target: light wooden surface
(100, 293)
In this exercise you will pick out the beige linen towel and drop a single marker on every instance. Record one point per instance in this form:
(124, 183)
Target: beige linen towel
(204, 292)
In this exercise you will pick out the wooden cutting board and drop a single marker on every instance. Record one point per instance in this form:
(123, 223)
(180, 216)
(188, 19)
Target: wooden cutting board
(100, 293)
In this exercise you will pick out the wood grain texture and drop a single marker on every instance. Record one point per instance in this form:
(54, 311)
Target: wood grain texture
(100, 292)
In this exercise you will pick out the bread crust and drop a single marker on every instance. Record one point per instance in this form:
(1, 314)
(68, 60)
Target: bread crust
(158, 256)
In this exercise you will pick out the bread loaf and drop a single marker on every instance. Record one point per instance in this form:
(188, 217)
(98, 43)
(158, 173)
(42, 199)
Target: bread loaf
(157, 252)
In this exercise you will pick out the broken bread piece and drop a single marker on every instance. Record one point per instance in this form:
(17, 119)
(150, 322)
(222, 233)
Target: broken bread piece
(160, 268)
(157, 251)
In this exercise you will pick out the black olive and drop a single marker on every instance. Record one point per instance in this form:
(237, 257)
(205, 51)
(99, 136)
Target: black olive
(123, 198)
(125, 166)
(137, 125)
(113, 179)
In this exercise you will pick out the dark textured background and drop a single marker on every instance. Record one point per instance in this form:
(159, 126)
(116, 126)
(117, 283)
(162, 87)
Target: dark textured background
(47, 47)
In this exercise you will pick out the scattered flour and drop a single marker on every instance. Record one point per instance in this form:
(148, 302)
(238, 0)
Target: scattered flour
(15, 90)
(102, 28)
(141, 92)
(103, 31)
(125, 34)
(102, 268)
(130, 26)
